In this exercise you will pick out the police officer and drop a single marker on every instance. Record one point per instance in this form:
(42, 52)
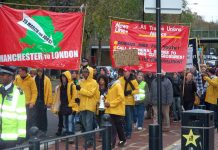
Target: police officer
(12, 110)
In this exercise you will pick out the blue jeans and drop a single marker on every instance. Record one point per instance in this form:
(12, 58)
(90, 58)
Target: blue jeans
(69, 124)
(129, 120)
(177, 108)
(139, 114)
(87, 120)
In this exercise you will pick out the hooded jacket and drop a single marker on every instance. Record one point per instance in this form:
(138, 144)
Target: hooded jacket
(212, 90)
(28, 85)
(167, 91)
(71, 94)
(115, 97)
(129, 100)
(47, 90)
(89, 93)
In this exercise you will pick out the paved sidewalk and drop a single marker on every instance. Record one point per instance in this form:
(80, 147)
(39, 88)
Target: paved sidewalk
(139, 140)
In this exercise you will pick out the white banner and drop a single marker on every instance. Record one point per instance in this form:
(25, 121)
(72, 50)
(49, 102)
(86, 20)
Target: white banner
(189, 62)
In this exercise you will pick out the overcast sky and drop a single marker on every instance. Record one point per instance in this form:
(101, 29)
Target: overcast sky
(208, 9)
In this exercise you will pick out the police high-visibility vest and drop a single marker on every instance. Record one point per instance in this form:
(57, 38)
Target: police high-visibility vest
(13, 115)
(141, 95)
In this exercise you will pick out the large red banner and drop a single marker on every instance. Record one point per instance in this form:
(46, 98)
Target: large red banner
(40, 39)
(135, 35)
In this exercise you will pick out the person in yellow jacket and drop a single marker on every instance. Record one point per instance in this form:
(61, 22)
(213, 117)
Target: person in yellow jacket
(64, 104)
(28, 85)
(211, 98)
(130, 87)
(44, 100)
(12, 110)
(89, 95)
(115, 106)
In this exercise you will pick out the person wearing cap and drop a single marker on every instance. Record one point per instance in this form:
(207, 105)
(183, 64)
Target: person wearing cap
(43, 101)
(115, 106)
(89, 95)
(212, 93)
(166, 98)
(28, 85)
(130, 87)
(12, 110)
(85, 63)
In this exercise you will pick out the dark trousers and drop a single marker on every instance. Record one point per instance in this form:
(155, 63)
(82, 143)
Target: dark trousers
(30, 122)
(188, 105)
(41, 116)
(117, 128)
(7, 144)
(214, 108)
(129, 120)
(60, 121)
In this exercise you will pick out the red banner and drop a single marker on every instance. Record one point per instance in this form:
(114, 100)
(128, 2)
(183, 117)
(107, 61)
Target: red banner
(134, 35)
(40, 39)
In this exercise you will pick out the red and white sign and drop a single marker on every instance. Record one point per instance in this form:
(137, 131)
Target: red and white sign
(134, 35)
(40, 39)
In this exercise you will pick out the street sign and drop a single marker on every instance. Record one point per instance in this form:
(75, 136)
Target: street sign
(167, 6)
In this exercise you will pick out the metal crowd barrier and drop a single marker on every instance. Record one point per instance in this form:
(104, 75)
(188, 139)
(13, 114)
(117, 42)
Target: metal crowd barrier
(54, 143)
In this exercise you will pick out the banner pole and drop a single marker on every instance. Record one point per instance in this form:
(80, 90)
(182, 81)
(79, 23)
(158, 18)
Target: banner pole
(84, 20)
(159, 92)
(40, 6)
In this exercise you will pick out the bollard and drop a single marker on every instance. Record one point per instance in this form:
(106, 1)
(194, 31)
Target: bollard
(106, 142)
(154, 137)
(34, 141)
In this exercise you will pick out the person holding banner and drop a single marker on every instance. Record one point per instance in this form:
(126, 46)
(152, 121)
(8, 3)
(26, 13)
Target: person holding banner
(130, 87)
(44, 100)
(89, 95)
(28, 85)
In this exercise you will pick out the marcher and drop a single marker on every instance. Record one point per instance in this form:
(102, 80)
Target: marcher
(177, 91)
(65, 105)
(103, 89)
(12, 111)
(130, 87)
(115, 106)
(33, 72)
(43, 101)
(189, 92)
(212, 93)
(166, 99)
(28, 85)
(198, 81)
(89, 95)
(141, 101)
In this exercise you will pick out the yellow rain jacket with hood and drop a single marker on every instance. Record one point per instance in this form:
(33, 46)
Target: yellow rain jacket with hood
(28, 85)
(71, 94)
(89, 94)
(115, 97)
(129, 100)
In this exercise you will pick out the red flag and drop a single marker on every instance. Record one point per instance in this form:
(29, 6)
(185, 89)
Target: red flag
(135, 35)
(40, 39)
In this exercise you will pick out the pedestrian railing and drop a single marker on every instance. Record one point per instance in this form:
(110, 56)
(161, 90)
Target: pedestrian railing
(75, 141)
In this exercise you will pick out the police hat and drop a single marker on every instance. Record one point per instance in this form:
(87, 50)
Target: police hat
(84, 60)
(7, 70)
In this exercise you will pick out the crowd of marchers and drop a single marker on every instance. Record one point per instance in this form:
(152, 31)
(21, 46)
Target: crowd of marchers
(128, 96)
